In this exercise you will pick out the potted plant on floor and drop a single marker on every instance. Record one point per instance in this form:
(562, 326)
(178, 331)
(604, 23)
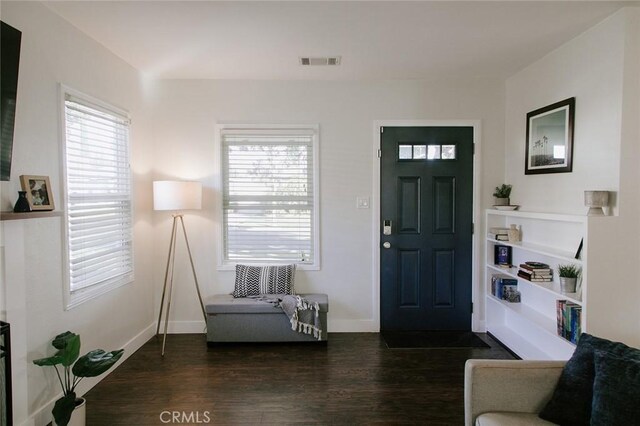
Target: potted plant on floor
(502, 194)
(568, 277)
(74, 369)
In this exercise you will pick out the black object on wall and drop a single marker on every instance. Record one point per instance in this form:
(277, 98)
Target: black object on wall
(6, 412)
(9, 62)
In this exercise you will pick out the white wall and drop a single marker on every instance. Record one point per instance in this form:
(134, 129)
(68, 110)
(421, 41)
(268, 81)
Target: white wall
(614, 297)
(185, 113)
(53, 51)
(589, 68)
(601, 68)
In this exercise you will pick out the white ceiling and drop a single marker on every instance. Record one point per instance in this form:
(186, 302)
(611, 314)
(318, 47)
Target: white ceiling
(377, 40)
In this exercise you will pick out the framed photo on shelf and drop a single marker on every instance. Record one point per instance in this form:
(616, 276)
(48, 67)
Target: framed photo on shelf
(38, 189)
(549, 141)
(579, 252)
(502, 256)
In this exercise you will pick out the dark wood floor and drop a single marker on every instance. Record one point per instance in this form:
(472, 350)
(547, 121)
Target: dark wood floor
(354, 379)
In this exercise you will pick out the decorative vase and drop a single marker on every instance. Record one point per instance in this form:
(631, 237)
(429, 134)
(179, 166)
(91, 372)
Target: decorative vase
(22, 205)
(501, 201)
(79, 415)
(514, 234)
(568, 285)
(596, 200)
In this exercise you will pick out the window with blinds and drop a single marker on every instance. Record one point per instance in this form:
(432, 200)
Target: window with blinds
(269, 195)
(98, 197)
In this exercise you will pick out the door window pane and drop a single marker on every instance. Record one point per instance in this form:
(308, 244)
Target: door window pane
(433, 152)
(406, 152)
(448, 152)
(419, 152)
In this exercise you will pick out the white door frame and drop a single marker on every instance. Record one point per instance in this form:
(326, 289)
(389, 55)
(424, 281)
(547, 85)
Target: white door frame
(477, 324)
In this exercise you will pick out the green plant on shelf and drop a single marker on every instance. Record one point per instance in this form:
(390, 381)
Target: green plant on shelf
(569, 271)
(503, 191)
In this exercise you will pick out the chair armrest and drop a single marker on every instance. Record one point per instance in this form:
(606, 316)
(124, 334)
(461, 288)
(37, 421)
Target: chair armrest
(508, 385)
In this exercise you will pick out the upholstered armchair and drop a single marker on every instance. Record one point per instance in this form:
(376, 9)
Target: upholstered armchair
(507, 392)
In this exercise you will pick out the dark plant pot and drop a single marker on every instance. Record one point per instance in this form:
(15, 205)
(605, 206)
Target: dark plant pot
(501, 201)
(22, 205)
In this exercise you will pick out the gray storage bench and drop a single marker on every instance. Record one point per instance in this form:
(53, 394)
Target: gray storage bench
(243, 319)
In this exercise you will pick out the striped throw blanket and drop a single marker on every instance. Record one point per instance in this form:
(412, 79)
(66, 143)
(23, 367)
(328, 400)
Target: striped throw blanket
(303, 315)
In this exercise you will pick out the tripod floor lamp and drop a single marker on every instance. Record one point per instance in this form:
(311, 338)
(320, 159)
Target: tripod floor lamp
(176, 196)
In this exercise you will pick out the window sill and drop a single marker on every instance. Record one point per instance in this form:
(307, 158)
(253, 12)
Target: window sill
(232, 266)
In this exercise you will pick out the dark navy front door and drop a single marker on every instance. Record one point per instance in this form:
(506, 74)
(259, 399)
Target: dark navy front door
(426, 228)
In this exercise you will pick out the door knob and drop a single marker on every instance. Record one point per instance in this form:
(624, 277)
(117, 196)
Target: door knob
(386, 244)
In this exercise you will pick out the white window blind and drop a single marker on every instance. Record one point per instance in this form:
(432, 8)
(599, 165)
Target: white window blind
(269, 195)
(98, 196)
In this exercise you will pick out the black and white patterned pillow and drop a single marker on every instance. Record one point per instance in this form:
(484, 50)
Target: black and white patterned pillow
(256, 280)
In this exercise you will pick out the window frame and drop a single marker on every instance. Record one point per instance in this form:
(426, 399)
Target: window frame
(228, 265)
(71, 298)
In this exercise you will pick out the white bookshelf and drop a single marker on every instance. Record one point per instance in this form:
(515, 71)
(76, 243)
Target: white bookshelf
(529, 328)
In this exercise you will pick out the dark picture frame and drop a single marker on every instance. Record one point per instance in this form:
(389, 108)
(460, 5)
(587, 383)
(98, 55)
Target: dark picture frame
(10, 40)
(502, 255)
(549, 141)
(579, 251)
(38, 189)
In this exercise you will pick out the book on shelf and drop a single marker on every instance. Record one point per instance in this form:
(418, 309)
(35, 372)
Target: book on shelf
(536, 265)
(576, 323)
(499, 282)
(498, 234)
(534, 278)
(535, 271)
(530, 268)
(560, 316)
(569, 320)
(510, 293)
(535, 274)
(498, 237)
(499, 230)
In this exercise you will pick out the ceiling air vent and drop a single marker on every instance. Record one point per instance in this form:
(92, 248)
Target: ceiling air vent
(332, 60)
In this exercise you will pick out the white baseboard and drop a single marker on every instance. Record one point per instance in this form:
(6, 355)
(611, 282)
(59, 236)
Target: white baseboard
(43, 415)
(184, 327)
(480, 326)
(353, 326)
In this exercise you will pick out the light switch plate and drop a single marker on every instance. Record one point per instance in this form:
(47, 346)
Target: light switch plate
(362, 202)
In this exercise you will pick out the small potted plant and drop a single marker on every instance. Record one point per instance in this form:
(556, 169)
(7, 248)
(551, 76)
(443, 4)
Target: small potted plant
(568, 277)
(502, 194)
(74, 369)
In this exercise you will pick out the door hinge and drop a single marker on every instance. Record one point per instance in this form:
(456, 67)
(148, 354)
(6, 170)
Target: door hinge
(379, 153)
(381, 129)
(473, 149)
(473, 228)
(471, 307)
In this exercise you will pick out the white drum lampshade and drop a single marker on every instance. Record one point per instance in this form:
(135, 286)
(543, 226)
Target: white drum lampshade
(177, 195)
